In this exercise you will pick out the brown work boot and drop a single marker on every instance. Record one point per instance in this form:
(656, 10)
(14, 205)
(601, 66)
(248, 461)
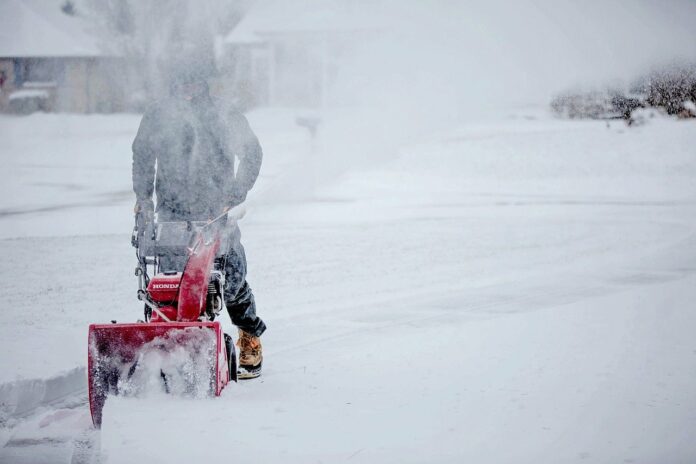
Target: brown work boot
(250, 356)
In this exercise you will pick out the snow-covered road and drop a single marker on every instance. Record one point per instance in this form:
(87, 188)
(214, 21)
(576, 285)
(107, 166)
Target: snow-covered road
(515, 291)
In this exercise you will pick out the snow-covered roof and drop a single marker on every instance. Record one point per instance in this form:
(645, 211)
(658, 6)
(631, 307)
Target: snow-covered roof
(269, 18)
(38, 28)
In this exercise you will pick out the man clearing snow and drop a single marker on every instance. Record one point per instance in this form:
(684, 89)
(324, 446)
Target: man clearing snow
(193, 145)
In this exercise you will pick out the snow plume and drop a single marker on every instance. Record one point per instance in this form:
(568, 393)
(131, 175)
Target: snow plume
(402, 68)
(180, 363)
(161, 38)
(425, 65)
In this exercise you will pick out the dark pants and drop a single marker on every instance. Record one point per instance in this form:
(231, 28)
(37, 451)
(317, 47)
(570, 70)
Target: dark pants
(238, 296)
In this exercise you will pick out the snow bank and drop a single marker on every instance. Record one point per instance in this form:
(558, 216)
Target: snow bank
(22, 397)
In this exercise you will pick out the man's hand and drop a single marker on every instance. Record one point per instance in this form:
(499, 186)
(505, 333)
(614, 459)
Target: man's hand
(145, 207)
(225, 210)
(234, 213)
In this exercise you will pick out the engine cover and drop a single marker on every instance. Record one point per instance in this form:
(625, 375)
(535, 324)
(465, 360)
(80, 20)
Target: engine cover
(164, 288)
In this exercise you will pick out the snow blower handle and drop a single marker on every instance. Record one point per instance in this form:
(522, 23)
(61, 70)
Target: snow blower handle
(229, 214)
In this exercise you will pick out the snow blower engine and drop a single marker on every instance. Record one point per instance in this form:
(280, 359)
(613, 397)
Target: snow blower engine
(178, 342)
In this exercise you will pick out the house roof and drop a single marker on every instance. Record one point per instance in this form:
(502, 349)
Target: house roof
(38, 28)
(268, 18)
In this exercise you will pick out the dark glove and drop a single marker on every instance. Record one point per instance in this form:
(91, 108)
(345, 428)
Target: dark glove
(144, 222)
(146, 209)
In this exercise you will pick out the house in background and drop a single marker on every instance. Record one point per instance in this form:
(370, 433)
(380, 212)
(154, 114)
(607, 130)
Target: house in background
(49, 61)
(288, 53)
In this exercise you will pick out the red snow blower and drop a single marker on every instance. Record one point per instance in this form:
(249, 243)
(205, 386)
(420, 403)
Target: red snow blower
(177, 346)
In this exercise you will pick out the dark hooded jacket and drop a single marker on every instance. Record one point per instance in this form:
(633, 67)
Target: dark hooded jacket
(185, 151)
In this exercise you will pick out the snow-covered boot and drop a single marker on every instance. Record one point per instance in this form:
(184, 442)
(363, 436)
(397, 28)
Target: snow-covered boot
(250, 356)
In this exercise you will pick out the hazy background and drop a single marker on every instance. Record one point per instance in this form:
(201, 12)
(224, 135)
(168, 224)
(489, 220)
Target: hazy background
(369, 73)
(463, 273)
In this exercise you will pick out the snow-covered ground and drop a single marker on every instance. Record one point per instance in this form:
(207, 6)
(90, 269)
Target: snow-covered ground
(515, 290)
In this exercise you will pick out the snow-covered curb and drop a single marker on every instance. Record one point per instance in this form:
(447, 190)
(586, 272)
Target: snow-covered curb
(21, 397)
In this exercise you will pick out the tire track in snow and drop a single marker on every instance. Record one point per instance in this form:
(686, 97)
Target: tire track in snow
(487, 306)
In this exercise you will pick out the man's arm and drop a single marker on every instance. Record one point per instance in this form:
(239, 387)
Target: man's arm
(247, 147)
(144, 157)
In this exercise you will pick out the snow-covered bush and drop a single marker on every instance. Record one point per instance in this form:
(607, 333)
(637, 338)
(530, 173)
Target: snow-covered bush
(610, 104)
(671, 89)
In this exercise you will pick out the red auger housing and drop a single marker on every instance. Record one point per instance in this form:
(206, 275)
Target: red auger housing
(177, 304)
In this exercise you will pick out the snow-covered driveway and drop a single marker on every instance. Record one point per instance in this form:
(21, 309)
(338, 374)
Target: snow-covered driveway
(516, 291)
